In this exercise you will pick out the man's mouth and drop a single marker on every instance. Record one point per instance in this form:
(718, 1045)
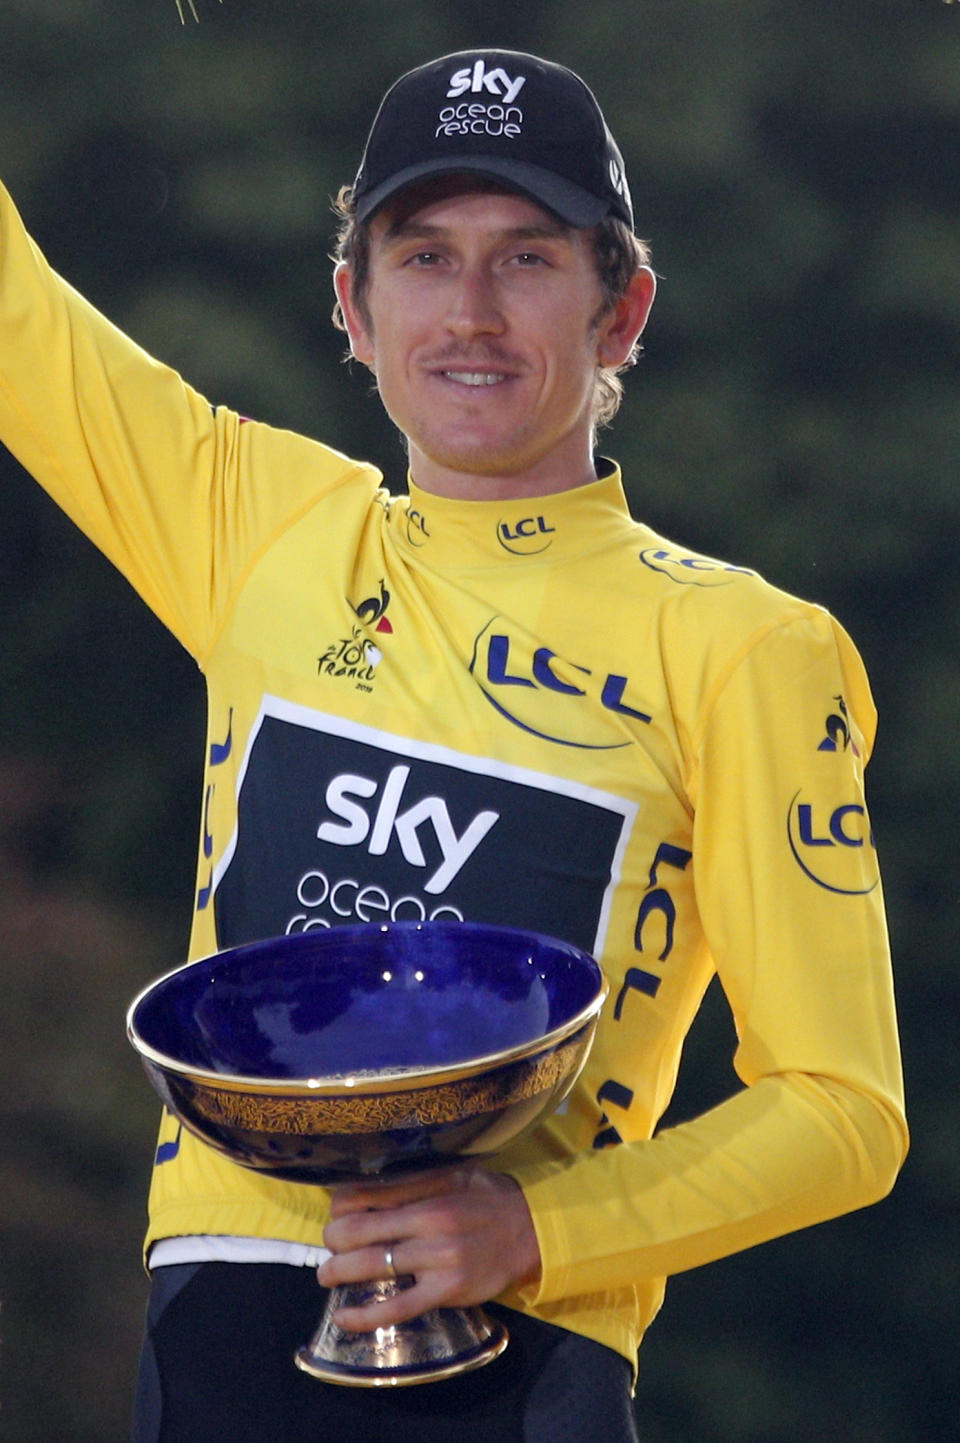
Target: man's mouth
(475, 378)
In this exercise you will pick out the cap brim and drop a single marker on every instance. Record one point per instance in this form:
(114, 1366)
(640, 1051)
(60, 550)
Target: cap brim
(570, 202)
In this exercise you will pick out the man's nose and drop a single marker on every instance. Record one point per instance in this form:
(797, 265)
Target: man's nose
(474, 308)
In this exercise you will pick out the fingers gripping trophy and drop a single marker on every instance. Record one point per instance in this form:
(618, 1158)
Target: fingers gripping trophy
(364, 1052)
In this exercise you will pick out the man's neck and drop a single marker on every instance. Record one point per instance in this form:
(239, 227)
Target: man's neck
(546, 477)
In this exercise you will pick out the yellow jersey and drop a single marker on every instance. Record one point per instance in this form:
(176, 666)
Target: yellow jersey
(534, 713)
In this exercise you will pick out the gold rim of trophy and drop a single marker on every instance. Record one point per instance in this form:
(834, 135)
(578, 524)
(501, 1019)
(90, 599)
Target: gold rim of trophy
(358, 1082)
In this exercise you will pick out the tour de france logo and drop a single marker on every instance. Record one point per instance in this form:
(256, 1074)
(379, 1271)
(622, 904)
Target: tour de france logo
(356, 657)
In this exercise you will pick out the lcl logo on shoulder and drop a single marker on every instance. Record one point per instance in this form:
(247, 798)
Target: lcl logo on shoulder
(688, 570)
(833, 846)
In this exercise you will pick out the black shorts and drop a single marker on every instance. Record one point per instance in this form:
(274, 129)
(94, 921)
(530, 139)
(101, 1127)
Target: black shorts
(217, 1367)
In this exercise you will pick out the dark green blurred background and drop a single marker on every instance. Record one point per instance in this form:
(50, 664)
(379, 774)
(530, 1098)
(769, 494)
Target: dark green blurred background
(797, 168)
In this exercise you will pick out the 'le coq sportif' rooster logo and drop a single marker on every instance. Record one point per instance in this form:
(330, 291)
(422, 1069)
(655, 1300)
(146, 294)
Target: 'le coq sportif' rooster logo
(372, 612)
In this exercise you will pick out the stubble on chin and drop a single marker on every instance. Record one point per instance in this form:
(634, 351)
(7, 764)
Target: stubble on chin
(471, 456)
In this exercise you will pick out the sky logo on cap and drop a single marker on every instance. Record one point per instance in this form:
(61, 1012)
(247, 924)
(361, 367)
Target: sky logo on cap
(477, 78)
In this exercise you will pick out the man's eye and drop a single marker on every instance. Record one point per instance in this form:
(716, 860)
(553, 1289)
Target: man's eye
(424, 258)
(529, 258)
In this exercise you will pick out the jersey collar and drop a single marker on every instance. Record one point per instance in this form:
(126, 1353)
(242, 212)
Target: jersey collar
(455, 534)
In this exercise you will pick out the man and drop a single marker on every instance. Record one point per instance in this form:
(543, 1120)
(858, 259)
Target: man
(498, 699)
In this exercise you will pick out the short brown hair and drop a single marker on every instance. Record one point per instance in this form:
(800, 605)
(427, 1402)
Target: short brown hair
(618, 254)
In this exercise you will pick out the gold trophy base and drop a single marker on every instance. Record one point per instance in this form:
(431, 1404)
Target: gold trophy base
(439, 1344)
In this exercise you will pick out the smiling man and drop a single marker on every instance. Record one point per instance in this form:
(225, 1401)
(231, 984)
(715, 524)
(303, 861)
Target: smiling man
(495, 698)
(484, 322)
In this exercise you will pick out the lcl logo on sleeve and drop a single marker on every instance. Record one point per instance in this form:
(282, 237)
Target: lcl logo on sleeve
(833, 845)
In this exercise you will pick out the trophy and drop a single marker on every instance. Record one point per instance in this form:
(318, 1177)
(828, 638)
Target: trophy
(365, 1051)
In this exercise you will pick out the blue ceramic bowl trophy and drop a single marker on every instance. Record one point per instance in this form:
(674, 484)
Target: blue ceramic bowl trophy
(364, 1051)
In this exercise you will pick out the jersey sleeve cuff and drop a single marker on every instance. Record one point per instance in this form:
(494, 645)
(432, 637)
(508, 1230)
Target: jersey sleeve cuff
(539, 1184)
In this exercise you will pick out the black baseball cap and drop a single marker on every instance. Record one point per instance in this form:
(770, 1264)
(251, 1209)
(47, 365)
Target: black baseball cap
(503, 115)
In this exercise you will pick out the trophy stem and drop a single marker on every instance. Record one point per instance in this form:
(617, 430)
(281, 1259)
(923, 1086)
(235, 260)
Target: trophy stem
(438, 1344)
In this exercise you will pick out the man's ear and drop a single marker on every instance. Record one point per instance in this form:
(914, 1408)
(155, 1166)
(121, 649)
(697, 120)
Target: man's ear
(620, 330)
(357, 324)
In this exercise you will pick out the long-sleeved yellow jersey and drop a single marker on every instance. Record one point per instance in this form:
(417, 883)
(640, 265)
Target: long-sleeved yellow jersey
(536, 713)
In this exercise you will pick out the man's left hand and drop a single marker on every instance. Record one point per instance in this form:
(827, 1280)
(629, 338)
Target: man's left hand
(464, 1234)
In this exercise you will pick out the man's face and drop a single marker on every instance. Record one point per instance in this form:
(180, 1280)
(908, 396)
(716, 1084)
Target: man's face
(483, 325)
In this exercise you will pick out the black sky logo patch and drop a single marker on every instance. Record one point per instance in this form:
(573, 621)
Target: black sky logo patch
(340, 823)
